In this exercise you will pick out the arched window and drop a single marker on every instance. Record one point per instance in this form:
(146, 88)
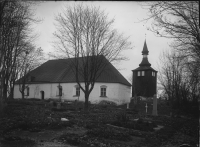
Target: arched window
(103, 91)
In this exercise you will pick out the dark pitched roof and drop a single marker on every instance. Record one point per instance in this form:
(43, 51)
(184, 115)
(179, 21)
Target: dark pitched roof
(60, 71)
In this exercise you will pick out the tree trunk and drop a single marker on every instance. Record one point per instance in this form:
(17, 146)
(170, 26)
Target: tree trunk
(5, 90)
(22, 89)
(22, 94)
(86, 102)
(12, 87)
(2, 100)
(12, 93)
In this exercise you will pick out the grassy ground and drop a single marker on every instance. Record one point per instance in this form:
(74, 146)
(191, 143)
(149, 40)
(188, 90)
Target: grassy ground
(103, 125)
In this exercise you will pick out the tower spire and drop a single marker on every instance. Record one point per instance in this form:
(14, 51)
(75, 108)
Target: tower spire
(145, 52)
(145, 49)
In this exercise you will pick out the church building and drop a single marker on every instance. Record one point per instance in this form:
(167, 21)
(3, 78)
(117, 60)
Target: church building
(55, 79)
(144, 77)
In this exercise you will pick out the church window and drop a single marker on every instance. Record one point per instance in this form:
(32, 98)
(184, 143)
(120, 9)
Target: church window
(59, 90)
(27, 91)
(76, 90)
(103, 89)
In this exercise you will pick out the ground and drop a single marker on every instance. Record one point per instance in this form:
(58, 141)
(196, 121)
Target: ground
(37, 123)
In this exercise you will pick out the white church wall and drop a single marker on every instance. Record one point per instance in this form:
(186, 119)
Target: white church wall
(124, 93)
(115, 92)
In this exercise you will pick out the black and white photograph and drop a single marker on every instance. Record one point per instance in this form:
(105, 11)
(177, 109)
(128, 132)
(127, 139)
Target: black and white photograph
(99, 73)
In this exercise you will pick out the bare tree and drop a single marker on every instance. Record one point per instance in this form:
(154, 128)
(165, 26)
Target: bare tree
(86, 34)
(16, 19)
(180, 88)
(28, 61)
(178, 20)
(2, 9)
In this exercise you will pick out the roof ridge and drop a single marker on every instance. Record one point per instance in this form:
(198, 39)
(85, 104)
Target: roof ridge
(59, 70)
(71, 58)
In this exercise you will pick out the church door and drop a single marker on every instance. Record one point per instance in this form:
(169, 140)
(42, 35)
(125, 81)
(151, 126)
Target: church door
(42, 95)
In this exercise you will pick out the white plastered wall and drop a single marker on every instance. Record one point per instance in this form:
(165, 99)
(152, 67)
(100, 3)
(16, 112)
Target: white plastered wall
(116, 92)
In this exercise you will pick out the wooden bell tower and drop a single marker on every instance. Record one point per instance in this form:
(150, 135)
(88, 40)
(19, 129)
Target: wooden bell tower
(144, 82)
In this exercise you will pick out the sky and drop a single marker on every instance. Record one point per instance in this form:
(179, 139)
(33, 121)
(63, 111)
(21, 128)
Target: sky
(127, 15)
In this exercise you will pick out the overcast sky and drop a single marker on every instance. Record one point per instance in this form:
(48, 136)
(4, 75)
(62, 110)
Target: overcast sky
(126, 15)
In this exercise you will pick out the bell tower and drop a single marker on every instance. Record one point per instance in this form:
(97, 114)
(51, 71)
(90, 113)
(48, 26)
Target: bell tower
(144, 77)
